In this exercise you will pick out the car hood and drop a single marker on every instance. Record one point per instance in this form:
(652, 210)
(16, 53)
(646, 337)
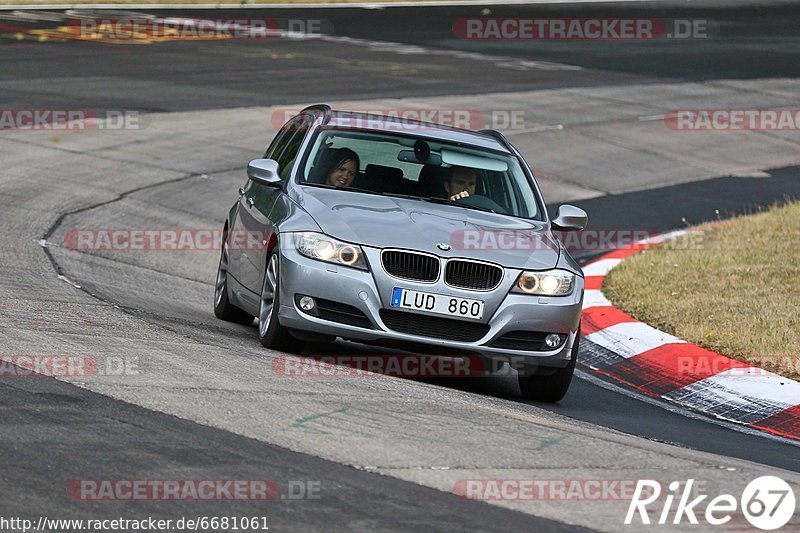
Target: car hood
(387, 222)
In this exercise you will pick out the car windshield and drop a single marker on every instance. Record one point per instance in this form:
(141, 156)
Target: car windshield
(420, 168)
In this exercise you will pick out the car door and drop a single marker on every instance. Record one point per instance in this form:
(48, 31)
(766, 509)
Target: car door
(257, 201)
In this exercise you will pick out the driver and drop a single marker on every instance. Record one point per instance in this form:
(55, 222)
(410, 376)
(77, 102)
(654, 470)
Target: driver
(460, 182)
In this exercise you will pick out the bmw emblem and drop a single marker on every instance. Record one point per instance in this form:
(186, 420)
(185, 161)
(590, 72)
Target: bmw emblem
(443, 246)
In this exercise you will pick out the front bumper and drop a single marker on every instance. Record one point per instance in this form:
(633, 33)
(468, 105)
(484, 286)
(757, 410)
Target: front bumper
(370, 292)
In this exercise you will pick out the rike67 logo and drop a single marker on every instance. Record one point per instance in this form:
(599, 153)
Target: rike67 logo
(767, 502)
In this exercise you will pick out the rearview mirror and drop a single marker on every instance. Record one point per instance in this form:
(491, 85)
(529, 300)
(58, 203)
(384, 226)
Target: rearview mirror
(570, 218)
(409, 156)
(264, 171)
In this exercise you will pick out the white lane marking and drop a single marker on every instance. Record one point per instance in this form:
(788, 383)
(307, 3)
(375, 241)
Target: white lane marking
(596, 380)
(595, 298)
(413, 49)
(715, 400)
(752, 382)
(601, 268)
(64, 278)
(628, 339)
(38, 16)
(363, 5)
(596, 357)
(535, 129)
(750, 174)
(658, 239)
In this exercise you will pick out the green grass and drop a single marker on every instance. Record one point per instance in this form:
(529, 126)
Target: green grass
(733, 288)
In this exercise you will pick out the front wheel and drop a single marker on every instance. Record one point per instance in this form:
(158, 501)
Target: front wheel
(270, 332)
(552, 387)
(223, 308)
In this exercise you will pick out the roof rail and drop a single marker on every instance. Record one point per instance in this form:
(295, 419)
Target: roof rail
(324, 108)
(500, 137)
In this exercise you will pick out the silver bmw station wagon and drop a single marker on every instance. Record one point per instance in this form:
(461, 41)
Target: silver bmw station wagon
(409, 234)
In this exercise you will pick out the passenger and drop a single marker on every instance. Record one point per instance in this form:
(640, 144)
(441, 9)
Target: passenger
(338, 167)
(460, 182)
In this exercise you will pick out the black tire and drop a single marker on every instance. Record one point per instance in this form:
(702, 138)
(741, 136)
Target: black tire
(552, 387)
(270, 332)
(223, 308)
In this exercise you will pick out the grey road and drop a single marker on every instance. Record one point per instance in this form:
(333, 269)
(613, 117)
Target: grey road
(202, 400)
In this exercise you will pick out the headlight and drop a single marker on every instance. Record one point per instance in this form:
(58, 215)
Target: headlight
(549, 283)
(324, 248)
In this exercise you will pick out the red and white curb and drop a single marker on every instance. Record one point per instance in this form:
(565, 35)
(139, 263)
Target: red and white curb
(653, 362)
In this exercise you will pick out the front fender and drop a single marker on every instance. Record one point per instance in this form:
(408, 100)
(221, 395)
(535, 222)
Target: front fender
(231, 221)
(288, 217)
(566, 262)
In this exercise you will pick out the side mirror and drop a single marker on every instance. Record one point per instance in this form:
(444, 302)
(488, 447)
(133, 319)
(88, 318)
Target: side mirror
(570, 218)
(264, 171)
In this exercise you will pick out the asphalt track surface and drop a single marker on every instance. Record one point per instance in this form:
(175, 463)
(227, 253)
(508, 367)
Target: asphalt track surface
(752, 42)
(54, 431)
(61, 431)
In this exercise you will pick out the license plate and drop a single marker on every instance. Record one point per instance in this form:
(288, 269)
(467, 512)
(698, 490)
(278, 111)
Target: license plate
(437, 304)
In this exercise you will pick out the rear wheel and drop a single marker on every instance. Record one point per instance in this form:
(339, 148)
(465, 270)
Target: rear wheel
(270, 332)
(552, 387)
(223, 308)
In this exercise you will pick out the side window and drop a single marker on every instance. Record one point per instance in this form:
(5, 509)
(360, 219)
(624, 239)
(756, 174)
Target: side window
(278, 143)
(287, 144)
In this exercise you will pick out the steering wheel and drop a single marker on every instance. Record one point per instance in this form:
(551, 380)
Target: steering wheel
(484, 202)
